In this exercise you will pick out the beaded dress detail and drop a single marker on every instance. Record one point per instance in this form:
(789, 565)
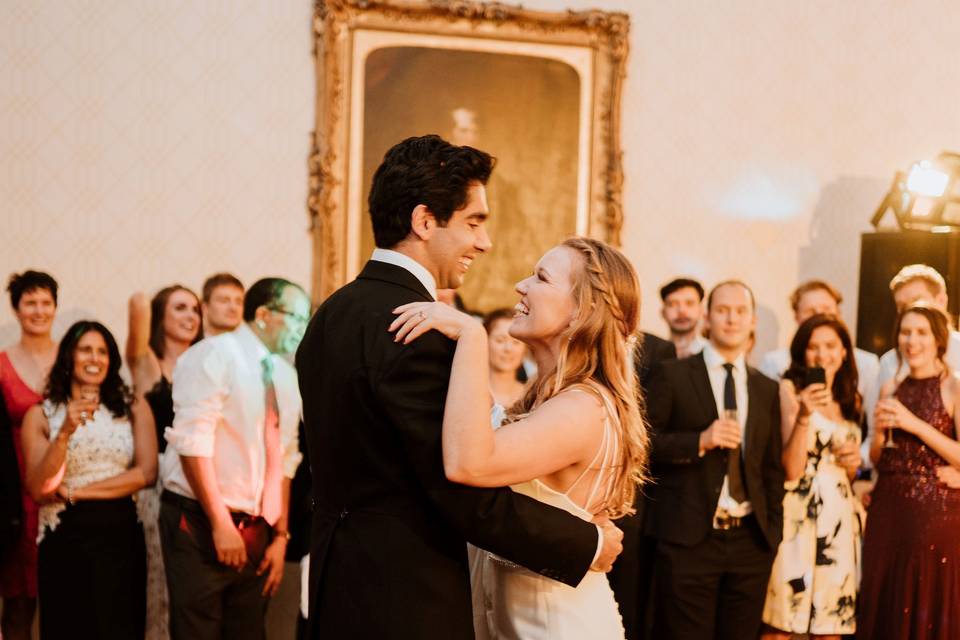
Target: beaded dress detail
(911, 550)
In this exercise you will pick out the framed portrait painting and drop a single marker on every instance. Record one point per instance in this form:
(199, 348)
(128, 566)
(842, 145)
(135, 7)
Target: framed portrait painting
(540, 91)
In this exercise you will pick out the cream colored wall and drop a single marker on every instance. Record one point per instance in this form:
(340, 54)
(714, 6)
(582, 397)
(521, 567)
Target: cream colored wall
(760, 136)
(150, 142)
(145, 143)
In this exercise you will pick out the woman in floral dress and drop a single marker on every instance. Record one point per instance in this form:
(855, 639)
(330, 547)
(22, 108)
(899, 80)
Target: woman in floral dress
(813, 584)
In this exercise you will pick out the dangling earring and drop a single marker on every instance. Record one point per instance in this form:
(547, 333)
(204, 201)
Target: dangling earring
(261, 325)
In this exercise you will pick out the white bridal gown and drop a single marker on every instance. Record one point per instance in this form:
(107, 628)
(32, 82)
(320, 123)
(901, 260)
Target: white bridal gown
(513, 603)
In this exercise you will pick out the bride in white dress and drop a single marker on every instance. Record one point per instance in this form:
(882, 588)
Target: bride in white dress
(576, 440)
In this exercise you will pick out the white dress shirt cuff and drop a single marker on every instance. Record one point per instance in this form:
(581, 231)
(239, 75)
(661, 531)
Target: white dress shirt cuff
(290, 464)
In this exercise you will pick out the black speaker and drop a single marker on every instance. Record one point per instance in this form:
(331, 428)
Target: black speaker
(882, 255)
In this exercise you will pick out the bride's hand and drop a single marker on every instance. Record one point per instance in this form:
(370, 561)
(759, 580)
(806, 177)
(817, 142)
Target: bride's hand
(416, 318)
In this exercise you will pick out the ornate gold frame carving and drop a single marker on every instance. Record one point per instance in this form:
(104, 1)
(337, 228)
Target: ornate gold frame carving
(334, 23)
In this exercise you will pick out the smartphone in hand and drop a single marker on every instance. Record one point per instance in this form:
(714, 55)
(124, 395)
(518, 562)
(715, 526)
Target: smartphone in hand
(814, 375)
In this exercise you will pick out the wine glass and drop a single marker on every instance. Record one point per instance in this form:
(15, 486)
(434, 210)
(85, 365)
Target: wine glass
(90, 393)
(888, 443)
(730, 414)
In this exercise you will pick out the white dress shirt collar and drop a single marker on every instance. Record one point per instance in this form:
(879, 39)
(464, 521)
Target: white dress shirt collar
(404, 261)
(713, 359)
(250, 342)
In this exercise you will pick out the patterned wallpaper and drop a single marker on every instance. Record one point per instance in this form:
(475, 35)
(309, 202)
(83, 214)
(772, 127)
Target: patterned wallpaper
(148, 142)
(760, 136)
(152, 142)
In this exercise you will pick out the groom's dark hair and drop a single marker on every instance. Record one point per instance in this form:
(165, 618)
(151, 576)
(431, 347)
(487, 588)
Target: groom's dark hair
(425, 170)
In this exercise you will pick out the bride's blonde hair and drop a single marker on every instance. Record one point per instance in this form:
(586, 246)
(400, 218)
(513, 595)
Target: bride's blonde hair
(596, 352)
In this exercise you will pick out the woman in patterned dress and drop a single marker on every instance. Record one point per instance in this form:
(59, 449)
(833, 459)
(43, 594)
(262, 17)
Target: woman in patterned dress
(813, 584)
(23, 373)
(87, 450)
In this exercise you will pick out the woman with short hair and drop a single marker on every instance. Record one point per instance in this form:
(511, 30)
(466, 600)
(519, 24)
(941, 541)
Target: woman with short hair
(23, 373)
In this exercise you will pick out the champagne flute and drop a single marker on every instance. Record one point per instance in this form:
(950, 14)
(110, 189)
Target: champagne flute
(90, 393)
(888, 442)
(730, 414)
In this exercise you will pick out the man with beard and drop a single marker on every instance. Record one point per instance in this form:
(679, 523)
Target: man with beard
(682, 309)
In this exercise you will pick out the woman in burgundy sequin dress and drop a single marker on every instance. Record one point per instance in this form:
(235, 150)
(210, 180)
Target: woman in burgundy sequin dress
(911, 550)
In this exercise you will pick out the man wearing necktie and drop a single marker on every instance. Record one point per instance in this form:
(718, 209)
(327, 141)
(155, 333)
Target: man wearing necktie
(233, 448)
(716, 509)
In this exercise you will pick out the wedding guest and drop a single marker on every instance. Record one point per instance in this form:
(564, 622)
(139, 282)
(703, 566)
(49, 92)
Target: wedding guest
(813, 584)
(159, 332)
(226, 476)
(911, 551)
(24, 367)
(914, 283)
(682, 311)
(506, 358)
(88, 448)
(222, 307)
(717, 508)
(807, 300)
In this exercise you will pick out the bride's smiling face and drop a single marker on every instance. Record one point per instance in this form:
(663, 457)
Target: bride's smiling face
(546, 306)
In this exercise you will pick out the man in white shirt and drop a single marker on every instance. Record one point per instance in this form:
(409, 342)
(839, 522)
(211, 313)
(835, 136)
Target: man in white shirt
(913, 283)
(222, 302)
(233, 449)
(682, 311)
(807, 300)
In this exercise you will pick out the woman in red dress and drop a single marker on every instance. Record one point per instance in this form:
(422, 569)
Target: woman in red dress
(911, 549)
(24, 367)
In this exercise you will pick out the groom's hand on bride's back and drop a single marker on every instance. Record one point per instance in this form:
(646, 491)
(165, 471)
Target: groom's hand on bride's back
(612, 544)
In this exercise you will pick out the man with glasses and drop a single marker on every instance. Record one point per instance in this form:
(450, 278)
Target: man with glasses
(233, 449)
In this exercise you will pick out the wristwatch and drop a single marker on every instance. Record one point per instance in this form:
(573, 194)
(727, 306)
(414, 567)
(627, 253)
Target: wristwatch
(282, 533)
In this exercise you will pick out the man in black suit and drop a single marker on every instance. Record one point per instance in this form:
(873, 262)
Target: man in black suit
(632, 574)
(717, 508)
(388, 553)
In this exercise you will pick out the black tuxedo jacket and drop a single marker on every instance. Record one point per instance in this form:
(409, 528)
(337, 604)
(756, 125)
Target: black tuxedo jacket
(652, 351)
(680, 404)
(388, 554)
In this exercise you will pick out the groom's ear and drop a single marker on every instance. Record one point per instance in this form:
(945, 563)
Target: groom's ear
(422, 222)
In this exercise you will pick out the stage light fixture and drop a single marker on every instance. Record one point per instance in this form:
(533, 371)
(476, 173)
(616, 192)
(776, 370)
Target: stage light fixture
(927, 197)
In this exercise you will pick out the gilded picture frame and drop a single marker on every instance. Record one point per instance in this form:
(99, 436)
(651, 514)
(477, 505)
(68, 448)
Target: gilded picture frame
(381, 65)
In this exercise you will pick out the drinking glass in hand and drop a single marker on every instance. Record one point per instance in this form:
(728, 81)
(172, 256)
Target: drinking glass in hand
(730, 414)
(90, 393)
(888, 442)
(840, 437)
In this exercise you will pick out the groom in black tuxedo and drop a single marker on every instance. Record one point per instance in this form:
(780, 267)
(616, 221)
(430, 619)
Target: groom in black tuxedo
(388, 553)
(716, 509)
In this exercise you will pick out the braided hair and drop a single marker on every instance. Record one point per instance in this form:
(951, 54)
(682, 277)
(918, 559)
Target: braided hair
(596, 352)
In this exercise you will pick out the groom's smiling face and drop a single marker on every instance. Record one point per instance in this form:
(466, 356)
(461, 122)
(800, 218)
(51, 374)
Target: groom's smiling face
(453, 247)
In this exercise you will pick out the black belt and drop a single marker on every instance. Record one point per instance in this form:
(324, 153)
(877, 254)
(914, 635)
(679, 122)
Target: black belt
(726, 522)
(240, 518)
